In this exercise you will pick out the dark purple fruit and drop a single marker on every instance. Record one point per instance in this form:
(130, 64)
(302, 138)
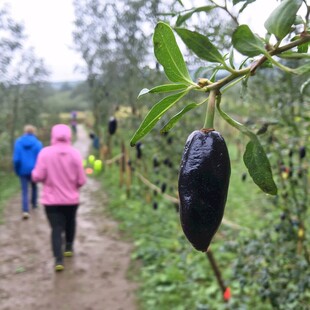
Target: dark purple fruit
(243, 177)
(156, 163)
(263, 129)
(112, 125)
(290, 153)
(167, 161)
(203, 186)
(155, 205)
(163, 187)
(169, 140)
(138, 149)
(302, 152)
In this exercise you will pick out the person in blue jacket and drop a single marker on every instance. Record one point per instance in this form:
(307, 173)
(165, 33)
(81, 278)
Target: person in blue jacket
(26, 150)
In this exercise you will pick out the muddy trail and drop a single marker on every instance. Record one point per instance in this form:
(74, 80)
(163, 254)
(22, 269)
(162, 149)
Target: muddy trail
(94, 279)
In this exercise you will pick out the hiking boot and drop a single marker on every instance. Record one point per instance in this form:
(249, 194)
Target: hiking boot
(59, 266)
(25, 215)
(68, 250)
(68, 253)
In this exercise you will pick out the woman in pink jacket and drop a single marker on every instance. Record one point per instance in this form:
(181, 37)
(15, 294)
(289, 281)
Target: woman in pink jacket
(59, 167)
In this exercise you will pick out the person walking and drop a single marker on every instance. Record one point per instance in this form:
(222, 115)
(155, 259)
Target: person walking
(59, 167)
(26, 150)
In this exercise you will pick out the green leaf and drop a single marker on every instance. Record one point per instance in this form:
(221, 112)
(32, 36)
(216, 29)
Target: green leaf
(238, 1)
(305, 69)
(246, 42)
(169, 56)
(304, 86)
(162, 89)
(282, 18)
(231, 58)
(258, 165)
(182, 18)
(143, 92)
(200, 45)
(303, 48)
(247, 2)
(254, 157)
(155, 114)
(267, 64)
(299, 20)
(176, 117)
(294, 55)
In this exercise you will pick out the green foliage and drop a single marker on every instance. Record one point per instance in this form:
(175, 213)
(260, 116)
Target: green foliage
(256, 249)
(67, 100)
(172, 122)
(268, 257)
(259, 168)
(183, 17)
(155, 114)
(171, 274)
(247, 2)
(169, 55)
(282, 18)
(246, 42)
(162, 89)
(200, 45)
(254, 157)
(276, 257)
(9, 183)
(21, 78)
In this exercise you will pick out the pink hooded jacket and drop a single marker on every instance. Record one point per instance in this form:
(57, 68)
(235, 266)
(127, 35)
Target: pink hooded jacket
(59, 167)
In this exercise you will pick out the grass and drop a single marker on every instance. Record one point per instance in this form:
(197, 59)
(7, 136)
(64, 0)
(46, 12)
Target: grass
(172, 274)
(9, 183)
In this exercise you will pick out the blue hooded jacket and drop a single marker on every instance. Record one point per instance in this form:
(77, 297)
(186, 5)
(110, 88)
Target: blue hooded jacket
(26, 150)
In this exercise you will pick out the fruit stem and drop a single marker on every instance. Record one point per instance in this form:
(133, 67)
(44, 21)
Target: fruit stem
(209, 121)
(233, 122)
(217, 271)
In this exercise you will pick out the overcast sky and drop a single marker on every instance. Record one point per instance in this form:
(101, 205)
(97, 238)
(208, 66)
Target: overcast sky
(49, 26)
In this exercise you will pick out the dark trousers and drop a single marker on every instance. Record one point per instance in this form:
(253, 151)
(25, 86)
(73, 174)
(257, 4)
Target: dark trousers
(24, 181)
(61, 219)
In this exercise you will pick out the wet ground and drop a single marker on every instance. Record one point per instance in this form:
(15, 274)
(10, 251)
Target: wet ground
(94, 279)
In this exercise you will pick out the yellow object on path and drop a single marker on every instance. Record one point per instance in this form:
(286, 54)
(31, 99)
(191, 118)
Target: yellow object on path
(91, 159)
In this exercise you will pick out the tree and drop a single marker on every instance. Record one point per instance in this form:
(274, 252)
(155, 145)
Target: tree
(22, 77)
(115, 45)
(287, 38)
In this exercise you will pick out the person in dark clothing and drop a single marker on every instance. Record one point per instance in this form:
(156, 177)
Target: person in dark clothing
(96, 142)
(26, 150)
(74, 126)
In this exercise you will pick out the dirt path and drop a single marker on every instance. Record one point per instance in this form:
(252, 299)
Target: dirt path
(94, 279)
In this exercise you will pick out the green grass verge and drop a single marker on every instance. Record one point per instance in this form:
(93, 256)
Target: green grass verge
(9, 183)
(172, 275)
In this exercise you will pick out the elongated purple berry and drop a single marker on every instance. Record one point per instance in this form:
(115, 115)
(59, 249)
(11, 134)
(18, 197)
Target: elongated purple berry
(203, 186)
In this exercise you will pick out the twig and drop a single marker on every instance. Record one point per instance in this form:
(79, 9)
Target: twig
(217, 273)
(114, 159)
(156, 188)
(225, 8)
